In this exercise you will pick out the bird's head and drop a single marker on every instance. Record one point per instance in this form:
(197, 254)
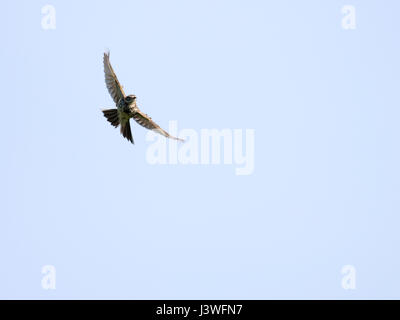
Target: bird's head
(130, 99)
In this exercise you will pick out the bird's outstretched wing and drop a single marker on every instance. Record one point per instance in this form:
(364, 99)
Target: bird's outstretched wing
(145, 121)
(113, 85)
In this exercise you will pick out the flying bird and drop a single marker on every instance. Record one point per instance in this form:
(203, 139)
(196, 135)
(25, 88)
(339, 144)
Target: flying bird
(126, 106)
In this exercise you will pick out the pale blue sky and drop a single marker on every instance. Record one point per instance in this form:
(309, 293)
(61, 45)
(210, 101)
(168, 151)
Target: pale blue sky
(324, 104)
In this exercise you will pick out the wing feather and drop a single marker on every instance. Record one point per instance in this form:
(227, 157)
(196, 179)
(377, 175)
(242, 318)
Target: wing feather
(112, 83)
(145, 121)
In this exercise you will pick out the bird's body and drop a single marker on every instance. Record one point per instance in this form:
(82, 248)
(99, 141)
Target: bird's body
(126, 107)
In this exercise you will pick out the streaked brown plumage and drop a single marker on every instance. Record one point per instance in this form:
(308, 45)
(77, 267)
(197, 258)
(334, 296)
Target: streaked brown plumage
(126, 106)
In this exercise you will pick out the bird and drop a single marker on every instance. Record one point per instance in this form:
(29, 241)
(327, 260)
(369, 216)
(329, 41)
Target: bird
(126, 107)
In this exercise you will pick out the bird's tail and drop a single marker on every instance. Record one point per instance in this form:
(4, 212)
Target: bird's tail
(126, 130)
(112, 116)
